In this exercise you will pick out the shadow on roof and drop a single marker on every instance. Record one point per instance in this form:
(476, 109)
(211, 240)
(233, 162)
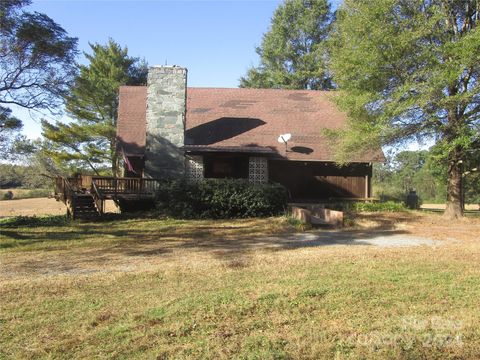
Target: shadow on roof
(220, 129)
(302, 150)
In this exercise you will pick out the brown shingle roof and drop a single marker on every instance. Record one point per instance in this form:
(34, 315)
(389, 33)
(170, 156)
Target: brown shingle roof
(243, 119)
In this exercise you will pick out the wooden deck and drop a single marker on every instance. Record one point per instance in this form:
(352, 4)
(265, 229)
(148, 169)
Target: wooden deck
(85, 195)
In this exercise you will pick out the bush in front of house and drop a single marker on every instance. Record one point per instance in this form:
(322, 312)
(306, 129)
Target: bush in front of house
(220, 199)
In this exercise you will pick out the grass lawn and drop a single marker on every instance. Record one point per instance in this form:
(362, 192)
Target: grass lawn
(229, 289)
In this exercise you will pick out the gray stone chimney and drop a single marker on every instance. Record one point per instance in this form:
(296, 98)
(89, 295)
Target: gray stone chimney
(166, 107)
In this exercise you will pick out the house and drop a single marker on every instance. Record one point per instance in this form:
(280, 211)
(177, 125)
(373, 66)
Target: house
(168, 130)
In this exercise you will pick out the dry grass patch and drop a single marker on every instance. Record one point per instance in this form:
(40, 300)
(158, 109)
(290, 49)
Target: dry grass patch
(221, 289)
(40, 206)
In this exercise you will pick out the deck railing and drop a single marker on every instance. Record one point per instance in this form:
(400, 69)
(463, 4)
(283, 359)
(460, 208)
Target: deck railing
(98, 198)
(125, 186)
(81, 182)
(102, 188)
(65, 192)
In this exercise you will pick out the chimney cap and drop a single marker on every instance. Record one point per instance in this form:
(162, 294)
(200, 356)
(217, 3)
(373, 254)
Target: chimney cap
(167, 66)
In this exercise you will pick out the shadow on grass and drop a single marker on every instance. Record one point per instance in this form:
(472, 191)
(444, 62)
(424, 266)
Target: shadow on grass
(149, 238)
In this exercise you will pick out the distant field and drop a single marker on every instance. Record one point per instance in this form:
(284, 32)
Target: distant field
(442, 206)
(38, 206)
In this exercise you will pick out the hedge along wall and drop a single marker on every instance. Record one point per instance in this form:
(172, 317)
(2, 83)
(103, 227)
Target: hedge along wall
(220, 199)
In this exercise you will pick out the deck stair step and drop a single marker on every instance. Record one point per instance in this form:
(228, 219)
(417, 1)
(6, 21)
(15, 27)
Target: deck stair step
(85, 195)
(85, 207)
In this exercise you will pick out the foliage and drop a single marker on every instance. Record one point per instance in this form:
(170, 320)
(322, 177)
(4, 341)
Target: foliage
(93, 103)
(387, 206)
(298, 224)
(426, 173)
(409, 170)
(15, 176)
(37, 64)
(7, 195)
(33, 167)
(221, 199)
(293, 52)
(354, 207)
(10, 128)
(410, 70)
(27, 193)
(471, 178)
(9, 176)
(34, 221)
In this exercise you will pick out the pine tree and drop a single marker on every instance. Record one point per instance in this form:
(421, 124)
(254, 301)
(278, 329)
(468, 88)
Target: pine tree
(36, 67)
(92, 103)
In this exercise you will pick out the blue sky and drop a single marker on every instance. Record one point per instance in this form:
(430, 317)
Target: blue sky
(215, 40)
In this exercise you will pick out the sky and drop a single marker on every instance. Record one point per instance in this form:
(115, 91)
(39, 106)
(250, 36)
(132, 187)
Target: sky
(214, 40)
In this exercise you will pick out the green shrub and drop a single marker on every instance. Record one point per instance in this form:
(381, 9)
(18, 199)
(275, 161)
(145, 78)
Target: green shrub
(7, 195)
(34, 221)
(352, 207)
(389, 206)
(26, 194)
(220, 199)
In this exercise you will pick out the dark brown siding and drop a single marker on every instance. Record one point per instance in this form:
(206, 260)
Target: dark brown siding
(318, 180)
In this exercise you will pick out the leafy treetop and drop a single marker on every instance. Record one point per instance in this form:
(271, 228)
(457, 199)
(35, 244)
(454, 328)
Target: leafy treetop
(293, 51)
(410, 70)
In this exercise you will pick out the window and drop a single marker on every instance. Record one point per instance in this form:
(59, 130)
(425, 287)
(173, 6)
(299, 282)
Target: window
(226, 166)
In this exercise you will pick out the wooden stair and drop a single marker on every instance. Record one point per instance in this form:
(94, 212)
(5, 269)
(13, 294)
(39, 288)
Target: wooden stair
(85, 207)
(85, 195)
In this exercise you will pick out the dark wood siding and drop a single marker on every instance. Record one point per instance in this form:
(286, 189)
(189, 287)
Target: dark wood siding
(317, 180)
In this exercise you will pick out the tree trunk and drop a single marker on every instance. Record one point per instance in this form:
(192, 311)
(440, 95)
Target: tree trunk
(115, 165)
(115, 158)
(454, 208)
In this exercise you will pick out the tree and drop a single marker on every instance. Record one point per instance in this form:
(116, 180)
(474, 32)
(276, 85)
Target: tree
(36, 67)
(10, 128)
(409, 164)
(293, 51)
(410, 70)
(33, 168)
(92, 103)
(409, 170)
(37, 59)
(472, 185)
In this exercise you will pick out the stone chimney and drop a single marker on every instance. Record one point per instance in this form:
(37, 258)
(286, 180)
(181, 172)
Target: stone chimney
(166, 107)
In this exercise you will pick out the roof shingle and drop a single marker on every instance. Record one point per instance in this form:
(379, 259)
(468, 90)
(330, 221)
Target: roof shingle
(219, 118)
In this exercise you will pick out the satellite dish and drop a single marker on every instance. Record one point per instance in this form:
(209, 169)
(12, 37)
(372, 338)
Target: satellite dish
(284, 138)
